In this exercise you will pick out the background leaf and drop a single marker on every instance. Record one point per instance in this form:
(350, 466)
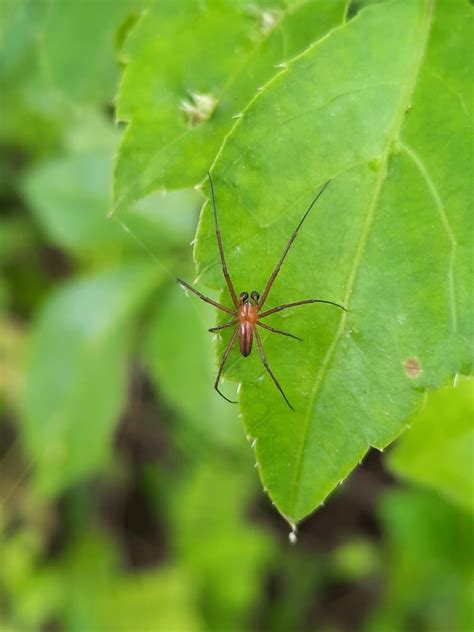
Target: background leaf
(225, 50)
(31, 114)
(94, 80)
(183, 365)
(193, 509)
(435, 595)
(85, 331)
(389, 239)
(439, 450)
(80, 182)
(141, 596)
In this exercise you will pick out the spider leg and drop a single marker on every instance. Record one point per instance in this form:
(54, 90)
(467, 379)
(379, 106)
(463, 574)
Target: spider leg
(205, 298)
(275, 272)
(305, 302)
(265, 364)
(224, 326)
(277, 331)
(221, 366)
(225, 272)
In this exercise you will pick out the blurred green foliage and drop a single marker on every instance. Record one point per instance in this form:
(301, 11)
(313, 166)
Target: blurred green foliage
(430, 555)
(438, 452)
(128, 496)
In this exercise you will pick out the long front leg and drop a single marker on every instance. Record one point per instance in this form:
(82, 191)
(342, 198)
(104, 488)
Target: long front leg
(206, 299)
(221, 366)
(225, 272)
(305, 302)
(275, 272)
(265, 364)
(277, 331)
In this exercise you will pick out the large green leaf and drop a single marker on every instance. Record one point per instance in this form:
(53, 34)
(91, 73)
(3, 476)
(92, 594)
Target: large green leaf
(439, 450)
(222, 50)
(75, 377)
(380, 106)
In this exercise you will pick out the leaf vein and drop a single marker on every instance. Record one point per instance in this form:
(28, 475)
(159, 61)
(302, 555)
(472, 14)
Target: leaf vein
(396, 128)
(441, 209)
(450, 90)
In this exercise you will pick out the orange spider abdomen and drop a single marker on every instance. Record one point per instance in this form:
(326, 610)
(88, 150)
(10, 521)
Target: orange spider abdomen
(247, 318)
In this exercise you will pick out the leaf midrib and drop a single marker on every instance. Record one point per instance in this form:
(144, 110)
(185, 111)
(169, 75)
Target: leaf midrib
(393, 136)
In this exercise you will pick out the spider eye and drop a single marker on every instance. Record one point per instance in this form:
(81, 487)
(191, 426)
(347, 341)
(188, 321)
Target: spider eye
(244, 296)
(255, 296)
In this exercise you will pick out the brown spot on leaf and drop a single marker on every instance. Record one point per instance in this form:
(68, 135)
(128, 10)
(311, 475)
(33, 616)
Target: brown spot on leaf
(412, 367)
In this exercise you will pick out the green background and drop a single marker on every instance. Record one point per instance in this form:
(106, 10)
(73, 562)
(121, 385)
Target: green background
(129, 496)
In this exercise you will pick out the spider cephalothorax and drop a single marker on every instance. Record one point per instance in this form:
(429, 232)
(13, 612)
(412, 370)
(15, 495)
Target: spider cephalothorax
(247, 313)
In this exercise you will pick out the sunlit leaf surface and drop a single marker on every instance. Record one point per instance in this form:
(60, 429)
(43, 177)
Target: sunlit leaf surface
(384, 112)
(180, 102)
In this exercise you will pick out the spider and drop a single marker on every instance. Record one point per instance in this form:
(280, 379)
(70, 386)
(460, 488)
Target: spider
(248, 314)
